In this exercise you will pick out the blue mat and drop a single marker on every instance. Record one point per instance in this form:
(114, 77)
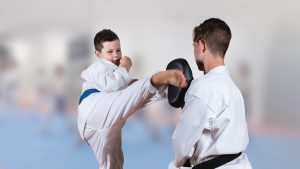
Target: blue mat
(24, 146)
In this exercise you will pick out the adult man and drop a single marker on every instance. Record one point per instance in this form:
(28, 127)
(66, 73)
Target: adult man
(212, 131)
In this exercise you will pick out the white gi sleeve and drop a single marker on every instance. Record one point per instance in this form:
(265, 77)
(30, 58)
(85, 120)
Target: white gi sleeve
(194, 118)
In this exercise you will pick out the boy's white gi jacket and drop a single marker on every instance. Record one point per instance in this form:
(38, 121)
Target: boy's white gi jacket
(105, 76)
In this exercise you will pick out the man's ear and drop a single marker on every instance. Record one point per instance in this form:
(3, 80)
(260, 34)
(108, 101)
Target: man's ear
(97, 53)
(202, 45)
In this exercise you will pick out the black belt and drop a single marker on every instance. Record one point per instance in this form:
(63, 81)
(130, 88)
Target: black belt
(215, 162)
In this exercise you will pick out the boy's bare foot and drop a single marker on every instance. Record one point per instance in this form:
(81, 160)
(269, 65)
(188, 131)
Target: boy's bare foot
(169, 77)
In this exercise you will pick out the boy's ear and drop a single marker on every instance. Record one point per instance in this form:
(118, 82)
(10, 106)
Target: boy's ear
(97, 53)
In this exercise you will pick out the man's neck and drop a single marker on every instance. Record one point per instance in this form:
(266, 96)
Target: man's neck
(214, 62)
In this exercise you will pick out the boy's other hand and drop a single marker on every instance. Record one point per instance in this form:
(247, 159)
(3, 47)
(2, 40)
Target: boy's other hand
(126, 62)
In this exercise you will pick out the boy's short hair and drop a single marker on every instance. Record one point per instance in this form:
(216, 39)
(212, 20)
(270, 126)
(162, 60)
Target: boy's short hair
(215, 33)
(106, 35)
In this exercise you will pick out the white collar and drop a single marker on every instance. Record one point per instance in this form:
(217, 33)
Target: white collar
(219, 70)
(106, 61)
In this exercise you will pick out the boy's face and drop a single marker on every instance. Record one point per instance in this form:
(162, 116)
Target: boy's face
(111, 51)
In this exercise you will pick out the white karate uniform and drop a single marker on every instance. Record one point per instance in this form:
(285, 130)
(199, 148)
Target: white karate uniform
(212, 122)
(102, 115)
(105, 76)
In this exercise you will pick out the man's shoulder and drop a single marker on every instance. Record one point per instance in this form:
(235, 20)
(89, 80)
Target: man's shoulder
(213, 91)
(208, 82)
(208, 86)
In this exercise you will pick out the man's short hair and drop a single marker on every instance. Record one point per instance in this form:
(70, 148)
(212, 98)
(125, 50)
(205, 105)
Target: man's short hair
(215, 33)
(106, 35)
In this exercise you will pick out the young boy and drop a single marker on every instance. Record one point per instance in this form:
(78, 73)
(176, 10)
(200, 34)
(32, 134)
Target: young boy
(108, 98)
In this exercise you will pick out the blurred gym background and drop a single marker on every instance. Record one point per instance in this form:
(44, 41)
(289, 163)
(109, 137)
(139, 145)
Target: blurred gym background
(44, 46)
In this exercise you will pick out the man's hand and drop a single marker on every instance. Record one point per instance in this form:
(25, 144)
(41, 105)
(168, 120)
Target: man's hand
(126, 62)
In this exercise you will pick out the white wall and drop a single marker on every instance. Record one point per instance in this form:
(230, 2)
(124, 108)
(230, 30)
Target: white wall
(155, 32)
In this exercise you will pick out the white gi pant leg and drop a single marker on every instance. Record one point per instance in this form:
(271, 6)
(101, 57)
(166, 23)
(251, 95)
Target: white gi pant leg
(109, 113)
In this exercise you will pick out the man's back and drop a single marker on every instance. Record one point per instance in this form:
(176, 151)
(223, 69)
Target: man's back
(228, 126)
(215, 110)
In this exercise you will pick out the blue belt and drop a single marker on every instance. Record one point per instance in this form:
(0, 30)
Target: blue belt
(86, 93)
